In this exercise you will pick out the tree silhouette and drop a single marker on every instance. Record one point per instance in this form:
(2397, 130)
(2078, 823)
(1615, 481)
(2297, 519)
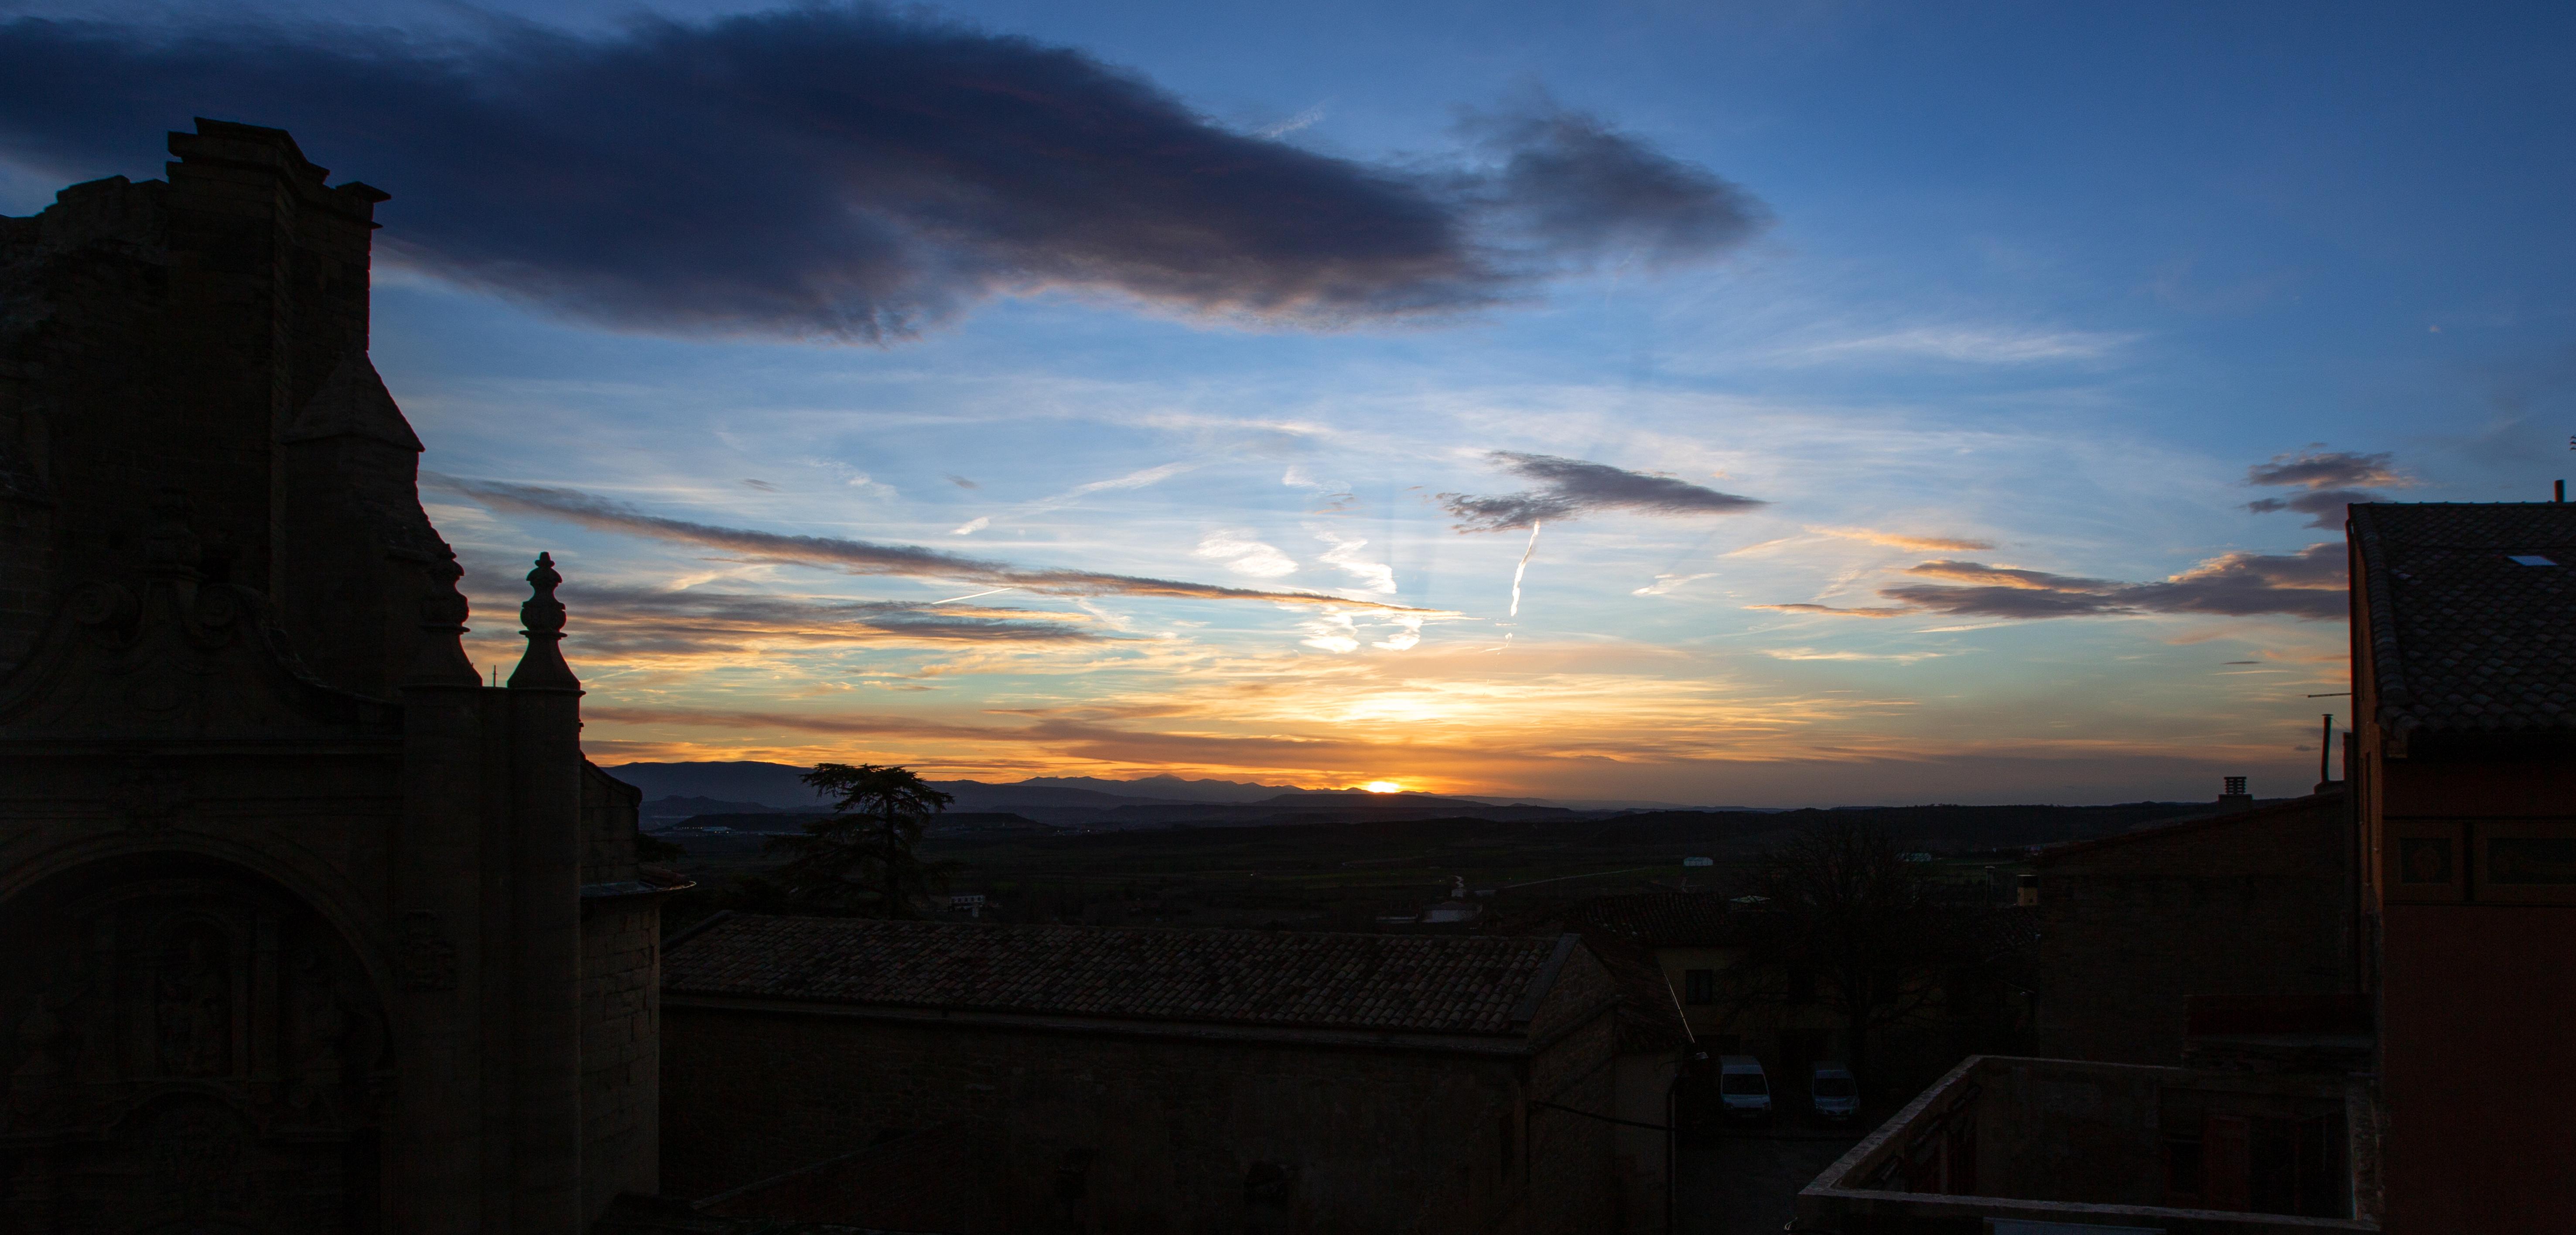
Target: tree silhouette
(1847, 923)
(862, 859)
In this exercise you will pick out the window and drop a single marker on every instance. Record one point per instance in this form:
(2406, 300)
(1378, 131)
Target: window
(2182, 1169)
(1699, 986)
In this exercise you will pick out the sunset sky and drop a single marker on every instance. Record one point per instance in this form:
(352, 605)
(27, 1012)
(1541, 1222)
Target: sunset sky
(1859, 402)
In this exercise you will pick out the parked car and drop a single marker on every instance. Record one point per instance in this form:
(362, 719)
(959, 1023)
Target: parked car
(1743, 1088)
(1834, 1092)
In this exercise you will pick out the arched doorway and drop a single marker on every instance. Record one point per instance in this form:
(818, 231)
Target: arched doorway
(185, 1047)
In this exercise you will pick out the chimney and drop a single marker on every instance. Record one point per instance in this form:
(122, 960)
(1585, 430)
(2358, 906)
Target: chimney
(2232, 795)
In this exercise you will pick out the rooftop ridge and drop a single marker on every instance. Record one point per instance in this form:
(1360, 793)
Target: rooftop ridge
(1451, 984)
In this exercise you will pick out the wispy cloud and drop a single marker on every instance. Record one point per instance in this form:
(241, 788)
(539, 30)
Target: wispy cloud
(1962, 345)
(1569, 487)
(1244, 555)
(1345, 556)
(855, 172)
(1137, 479)
(1304, 119)
(1667, 582)
(855, 556)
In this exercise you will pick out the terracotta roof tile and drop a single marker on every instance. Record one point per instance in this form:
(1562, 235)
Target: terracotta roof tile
(1429, 984)
(2464, 638)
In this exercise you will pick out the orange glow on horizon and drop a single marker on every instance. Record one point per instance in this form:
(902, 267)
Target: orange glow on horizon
(1383, 786)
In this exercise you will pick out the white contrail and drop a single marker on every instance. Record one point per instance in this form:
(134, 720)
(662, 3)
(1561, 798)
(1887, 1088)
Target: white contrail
(972, 595)
(1523, 568)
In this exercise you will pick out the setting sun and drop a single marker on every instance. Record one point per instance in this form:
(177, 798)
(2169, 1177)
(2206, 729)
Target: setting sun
(1383, 786)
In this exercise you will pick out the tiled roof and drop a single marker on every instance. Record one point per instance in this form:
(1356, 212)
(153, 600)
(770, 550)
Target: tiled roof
(1649, 1019)
(2330, 800)
(1470, 984)
(2465, 639)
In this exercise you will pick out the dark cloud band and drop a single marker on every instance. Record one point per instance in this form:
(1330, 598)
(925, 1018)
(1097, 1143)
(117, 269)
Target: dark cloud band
(1569, 487)
(2327, 469)
(852, 172)
(2333, 479)
(2308, 585)
(858, 557)
(616, 621)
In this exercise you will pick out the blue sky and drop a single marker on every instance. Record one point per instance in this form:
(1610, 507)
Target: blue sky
(2038, 286)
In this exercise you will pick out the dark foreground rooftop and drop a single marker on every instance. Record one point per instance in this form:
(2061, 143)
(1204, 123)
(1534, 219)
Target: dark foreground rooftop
(1459, 984)
(2468, 613)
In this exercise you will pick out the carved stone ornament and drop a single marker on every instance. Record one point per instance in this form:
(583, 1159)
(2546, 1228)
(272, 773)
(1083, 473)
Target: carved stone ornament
(147, 795)
(162, 654)
(426, 956)
(183, 1048)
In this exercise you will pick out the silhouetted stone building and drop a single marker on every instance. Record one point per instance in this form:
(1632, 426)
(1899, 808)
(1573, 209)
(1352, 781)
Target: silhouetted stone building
(1141, 1080)
(2254, 902)
(305, 929)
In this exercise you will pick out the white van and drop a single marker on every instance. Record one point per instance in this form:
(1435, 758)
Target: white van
(1742, 1088)
(1834, 1093)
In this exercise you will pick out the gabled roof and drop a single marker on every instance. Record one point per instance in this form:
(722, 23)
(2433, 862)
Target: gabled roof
(1451, 984)
(1650, 1021)
(2464, 639)
(2329, 800)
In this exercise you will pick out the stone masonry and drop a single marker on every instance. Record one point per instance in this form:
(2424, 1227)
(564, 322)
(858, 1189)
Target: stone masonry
(308, 929)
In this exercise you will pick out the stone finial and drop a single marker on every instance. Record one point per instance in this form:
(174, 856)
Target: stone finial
(542, 666)
(439, 658)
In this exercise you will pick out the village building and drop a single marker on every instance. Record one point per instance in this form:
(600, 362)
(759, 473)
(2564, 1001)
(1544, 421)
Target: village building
(307, 928)
(2228, 913)
(1136, 1079)
(2464, 682)
(2372, 982)
(2055, 1145)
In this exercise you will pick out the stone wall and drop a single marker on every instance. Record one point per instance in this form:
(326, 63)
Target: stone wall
(608, 826)
(620, 1049)
(2252, 904)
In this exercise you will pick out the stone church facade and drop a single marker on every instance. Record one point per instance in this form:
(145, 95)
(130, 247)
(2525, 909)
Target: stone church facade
(302, 927)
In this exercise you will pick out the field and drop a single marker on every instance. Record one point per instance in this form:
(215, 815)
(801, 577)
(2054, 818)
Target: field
(1347, 876)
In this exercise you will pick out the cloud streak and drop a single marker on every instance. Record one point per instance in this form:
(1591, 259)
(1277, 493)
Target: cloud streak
(857, 557)
(2321, 469)
(625, 622)
(2308, 585)
(1964, 345)
(2333, 479)
(1570, 487)
(843, 171)
(1141, 478)
(1903, 540)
